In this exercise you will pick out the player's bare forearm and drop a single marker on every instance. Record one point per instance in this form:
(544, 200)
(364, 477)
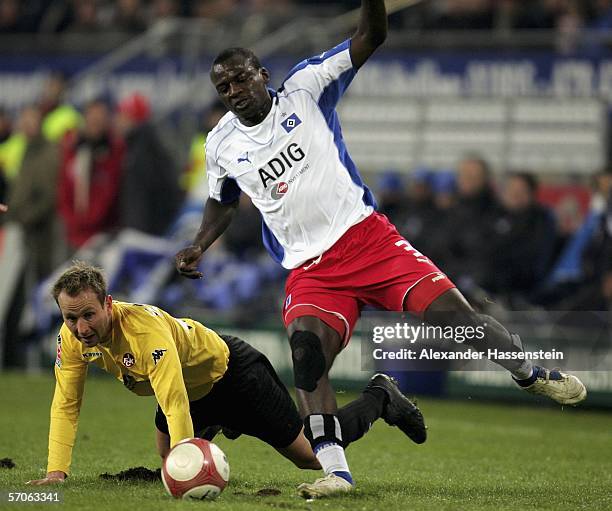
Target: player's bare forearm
(371, 31)
(217, 217)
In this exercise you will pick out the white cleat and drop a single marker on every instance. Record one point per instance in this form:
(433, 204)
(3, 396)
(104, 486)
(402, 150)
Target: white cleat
(563, 388)
(326, 486)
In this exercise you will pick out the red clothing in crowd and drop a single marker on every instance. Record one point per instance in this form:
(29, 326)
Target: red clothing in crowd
(90, 178)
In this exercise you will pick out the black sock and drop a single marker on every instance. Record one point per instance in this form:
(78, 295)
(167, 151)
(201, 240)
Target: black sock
(357, 417)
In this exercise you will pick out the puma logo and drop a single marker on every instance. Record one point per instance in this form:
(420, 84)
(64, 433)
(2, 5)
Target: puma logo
(245, 158)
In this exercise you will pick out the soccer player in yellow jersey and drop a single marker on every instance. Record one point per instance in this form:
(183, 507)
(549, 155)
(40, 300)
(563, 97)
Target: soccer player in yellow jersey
(199, 378)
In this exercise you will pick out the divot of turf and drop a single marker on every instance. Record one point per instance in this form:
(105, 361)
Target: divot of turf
(134, 474)
(268, 492)
(7, 463)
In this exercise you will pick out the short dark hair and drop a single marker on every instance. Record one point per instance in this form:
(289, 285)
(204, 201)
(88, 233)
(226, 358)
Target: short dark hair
(480, 160)
(245, 53)
(80, 277)
(528, 178)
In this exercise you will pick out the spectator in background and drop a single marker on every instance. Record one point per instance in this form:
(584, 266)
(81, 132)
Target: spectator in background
(605, 269)
(22, 16)
(462, 15)
(32, 197)
(10, 20)
(469, 225)
(214, 9)
(419, 219)
(391, 195)
(523, 241)
(601, 15)
(270, 8)
(164, 9)
(150, 194)
(195, 173)
(575, 277)
(243, 237)
(595, 292)
(128, 17)
(59, 117)
(444, 187)
(569, 24)
(539, 14)
(5, 133)
(3, 189)
(90, 176)
(85, 17)
(12, 150)
(6, 125)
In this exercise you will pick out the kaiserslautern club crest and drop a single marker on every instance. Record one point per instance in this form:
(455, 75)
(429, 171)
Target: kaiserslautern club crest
(128, 360)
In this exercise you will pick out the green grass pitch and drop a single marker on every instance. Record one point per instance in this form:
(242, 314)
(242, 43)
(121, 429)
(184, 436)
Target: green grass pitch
(478, 456)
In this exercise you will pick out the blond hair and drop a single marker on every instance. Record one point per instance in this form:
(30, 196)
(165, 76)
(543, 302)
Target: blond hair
(81, 276)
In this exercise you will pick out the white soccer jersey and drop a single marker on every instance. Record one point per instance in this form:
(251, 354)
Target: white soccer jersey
(294, 165)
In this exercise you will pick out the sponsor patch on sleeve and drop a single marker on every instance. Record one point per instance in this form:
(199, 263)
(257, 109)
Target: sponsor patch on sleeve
(58, 357)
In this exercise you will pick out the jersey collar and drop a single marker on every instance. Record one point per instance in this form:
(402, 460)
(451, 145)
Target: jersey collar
(262, 133)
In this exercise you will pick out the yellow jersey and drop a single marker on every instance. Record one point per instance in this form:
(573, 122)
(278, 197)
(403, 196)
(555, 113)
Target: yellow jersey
(151, 353)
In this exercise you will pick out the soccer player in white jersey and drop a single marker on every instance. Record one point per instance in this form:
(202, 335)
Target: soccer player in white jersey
(284, 149)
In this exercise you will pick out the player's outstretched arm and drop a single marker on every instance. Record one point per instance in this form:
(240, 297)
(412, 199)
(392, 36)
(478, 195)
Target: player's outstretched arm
(371, 32)
(52, 478)
(217, 217)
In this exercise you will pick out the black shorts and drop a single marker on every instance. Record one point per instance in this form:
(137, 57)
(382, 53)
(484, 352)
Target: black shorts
(250, 399)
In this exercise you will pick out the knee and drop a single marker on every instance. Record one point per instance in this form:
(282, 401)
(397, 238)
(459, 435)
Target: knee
(452, 301)
(309, 363)
(459, 316)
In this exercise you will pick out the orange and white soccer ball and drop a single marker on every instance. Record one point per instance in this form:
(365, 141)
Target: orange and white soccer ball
(195, 469)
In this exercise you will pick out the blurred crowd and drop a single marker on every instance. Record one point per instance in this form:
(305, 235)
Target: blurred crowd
(561, 15)
(77, 180)
(72, 177)
(95, 170)
(133, 16)
(509, 239)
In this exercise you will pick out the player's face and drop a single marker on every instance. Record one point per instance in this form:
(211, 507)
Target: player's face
(242, 89)
(87, 318)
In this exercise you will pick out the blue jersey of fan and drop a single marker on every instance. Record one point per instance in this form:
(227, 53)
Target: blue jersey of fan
(294, 165)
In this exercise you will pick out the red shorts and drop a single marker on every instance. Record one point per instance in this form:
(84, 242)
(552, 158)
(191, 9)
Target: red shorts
(371, 264)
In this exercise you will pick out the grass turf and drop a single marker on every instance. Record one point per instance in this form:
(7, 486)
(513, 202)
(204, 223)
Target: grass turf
(478, 456)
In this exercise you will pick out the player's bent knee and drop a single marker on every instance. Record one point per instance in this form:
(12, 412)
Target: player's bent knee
(308, 360)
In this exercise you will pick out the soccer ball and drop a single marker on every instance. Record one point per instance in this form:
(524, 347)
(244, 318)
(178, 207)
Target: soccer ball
(195, 469)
